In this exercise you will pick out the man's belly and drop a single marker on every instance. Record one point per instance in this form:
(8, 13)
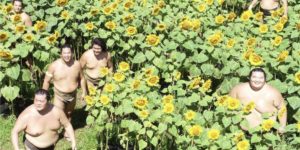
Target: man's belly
(93, 73)
(255, 118)
(66, 86)
(269, 4)
(44, 140)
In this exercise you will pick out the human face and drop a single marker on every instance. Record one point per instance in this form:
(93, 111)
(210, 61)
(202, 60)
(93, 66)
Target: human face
(96, 49)
(17, 6)
(40, 102)
(257, 80)
(66, 54)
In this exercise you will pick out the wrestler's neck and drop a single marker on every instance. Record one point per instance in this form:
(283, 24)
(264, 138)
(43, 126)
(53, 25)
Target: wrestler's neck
(256, 89)
(45, 110)
(68, 63)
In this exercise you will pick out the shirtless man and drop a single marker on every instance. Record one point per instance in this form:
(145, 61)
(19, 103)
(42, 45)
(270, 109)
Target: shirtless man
(266, 98)
(93, 59)
(268, 5)
(41, 122)
(17, 9)
(66, 75)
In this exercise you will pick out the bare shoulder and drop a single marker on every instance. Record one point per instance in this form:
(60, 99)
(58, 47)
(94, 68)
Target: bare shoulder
(240, 86)
(26, 113)
(25, 15)
(57, 111)
(272, 90)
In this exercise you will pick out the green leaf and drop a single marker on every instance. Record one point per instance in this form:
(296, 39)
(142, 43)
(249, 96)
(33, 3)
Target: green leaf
(195, 71)
(142, 144)
(294, 102)
(10, 92)
(13, 72)
(26, 75)
(226, 121)
(110, 42)
(139, 58)
(200, 58)
(1, 76)
(207, 69)
(282, 87)
(90, 120)
(44, 56)
(154, 141)
(255, 138)
(162, 128)
(150, 55)
(149, 133)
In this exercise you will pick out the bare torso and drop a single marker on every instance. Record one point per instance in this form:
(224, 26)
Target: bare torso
(93, 63)
(265, 101)
(41, 130)
(66, 78)
(269, 4)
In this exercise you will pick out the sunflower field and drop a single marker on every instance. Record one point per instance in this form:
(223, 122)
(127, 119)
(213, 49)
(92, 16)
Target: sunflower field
(175, 62)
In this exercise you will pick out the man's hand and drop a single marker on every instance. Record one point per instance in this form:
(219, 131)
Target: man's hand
(281, 130)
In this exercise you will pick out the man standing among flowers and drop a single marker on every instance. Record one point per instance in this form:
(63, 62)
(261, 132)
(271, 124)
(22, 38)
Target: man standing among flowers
(66, 75)
(93, 60)
(266, 6)
(17, 10)
(262, 98)
(41, 122)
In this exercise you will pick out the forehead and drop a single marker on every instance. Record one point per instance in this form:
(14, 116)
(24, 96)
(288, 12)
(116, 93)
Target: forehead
(18, 3)
(40, 97)
(257, 74)
(66, 50)
(96, 46)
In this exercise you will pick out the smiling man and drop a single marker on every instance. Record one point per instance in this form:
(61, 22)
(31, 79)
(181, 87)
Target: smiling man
(266, 6)
(66, 75)
(265, 97)
(93, 59)
(18, 9)
(41, 122)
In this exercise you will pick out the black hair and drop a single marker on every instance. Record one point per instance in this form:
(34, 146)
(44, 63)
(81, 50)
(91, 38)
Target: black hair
(99, 42)
(13, 1)
(43, 92)
(66, 46)
(257, 70)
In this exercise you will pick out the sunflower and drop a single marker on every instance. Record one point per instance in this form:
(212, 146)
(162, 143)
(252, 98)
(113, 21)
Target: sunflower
(214, 39)
(153, 80)
(213, 134)
(168, 108)
(135, 84)
(107, 10)
(148, 72)
(298, 126)
(195, 83)
(259, 16)
(28, 37)
(219, 19)
(297, 77)
(278, 27)
(103, 71)
(152, 40)
(61, 3)
(123, 66)
(89, 100)
(230, 43)
(111, 25)
(119, 77)
(65, 15)
(231, 16)
(283, 20)
(277, 40)
(267, 125)
(263, 28)
(109, 87)
(40, 26)
(251, 42)
(19, 28)
(128, 4)
(131, 30)
(282, 56)
(202, 7)
(167, 99)
(144, 114)
(161, 3)
(92, 90)
(104, 99)
(246, 15)
(255, 59)
(222, 100)
(196, 23)
(186, 24)
(16, 18)
(51, 39)
(243, 145)
(220, 2)
(155, 10)
(189, 115)
(247, 54)
(177, 75)
(249, 107)
(281, 112)
(3, 36)
(233, 103)
(94, 11)
(161, 27)
(195, 130)
(140, 102)
(209, 2)
(8, 8)
(206, 85)
(89, 26)
(127, 18)
(4, 54)
(239, 136)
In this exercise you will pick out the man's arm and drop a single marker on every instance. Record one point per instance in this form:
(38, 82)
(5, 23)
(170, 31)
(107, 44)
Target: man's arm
(253, 4)
(83, 85)
(282, 112)
(20, 125)
(109, 63)
(68, 127)
(48, 77)
(233, 92)
(285, 7)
